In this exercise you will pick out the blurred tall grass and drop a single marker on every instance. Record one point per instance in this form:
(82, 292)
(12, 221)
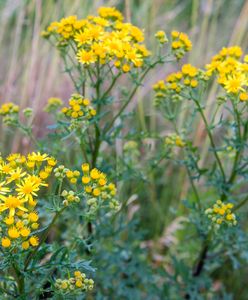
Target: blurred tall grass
(31, 70)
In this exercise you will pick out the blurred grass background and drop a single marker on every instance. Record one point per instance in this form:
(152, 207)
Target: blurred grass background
(31, 70)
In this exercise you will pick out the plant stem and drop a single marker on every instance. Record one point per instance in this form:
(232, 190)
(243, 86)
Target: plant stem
(130, 97)
(239, 151)
(19, 278)
(97, 129)
(211, 139)
(194, 189)
(44, 237)
(243, 202)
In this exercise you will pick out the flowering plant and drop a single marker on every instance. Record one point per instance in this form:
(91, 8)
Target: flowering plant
(67, 228)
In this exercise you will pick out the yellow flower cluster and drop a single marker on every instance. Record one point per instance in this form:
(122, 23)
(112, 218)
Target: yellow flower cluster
(53, 104)
(174, 140)
(180, 44)
(21, 178)
(103, 39)
(79, 282)
(69, 197)
(221, 213)
(161, 36)
(79, 107)
(96, 185)
(232, 73)
(9, 111)
(110, 13)
(61, 172)
(189, 76)
(72, 176)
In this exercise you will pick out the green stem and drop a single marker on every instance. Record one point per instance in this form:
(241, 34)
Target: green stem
(111, 86)
(197, 197)
(238, 206)
(19, 278)
(130, 97)
(238, 151)
(97, 129)
(68, 70)
(211, 139)
(44, 237)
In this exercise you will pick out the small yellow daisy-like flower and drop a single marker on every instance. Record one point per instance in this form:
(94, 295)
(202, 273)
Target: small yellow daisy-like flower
(85, 179)
(78, 283)
(12, 203)
(9, 220)
(33, 216)
(126, 68)
(243, 96)
(194, 83)
(13, 232)
(86, 57)
(35, 226)
(34, 241)
(25, 245)
(6, 243)
(96, 192)
(64, 285)
(25, 232)
(77, 274)
(95, 173)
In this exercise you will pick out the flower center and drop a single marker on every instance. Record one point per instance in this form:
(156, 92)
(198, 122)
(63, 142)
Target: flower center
(27, 189)
(12, 202)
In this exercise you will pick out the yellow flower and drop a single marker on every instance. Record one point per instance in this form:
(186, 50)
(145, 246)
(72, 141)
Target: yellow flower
(8, 109)
(12, 203)
(9, 220)
(78, 283)
(52, 161)
(27, 189)
(86, 57)
(243, 96)
(85, 179)
(96, 192)
(83, 37)
(25, 245)
(102, 181)
(161, 36)
(110, 13)
(13, 232)
(38, 157)
(53, 104)
(6, 243)
(194, 83)
(34, 241)
(95, 173)
(126, 68)
(15, 174)
(78, 274)
(5, 168)
(25, 232)
(35, 226)
(64, 285)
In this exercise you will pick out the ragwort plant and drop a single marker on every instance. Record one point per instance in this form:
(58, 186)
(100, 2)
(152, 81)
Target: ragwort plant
(59, 219)
(24, 251)
(97, 52)
(217, 183)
